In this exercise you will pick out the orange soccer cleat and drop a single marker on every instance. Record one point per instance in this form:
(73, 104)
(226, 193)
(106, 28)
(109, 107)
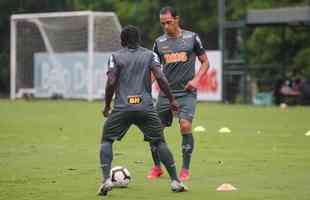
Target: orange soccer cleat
(184, 174)
(155, 172)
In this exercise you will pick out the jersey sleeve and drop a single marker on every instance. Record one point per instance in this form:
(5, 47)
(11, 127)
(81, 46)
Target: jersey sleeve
(112, 67)
(155, 62)
(155, 49)
(198, 47)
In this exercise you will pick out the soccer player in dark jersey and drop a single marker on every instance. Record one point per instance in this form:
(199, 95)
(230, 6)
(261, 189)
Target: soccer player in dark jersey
(129, 77)
(177, 49)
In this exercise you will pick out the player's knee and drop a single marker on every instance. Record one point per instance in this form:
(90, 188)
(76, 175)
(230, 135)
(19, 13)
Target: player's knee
(155, 143)
(185, 126)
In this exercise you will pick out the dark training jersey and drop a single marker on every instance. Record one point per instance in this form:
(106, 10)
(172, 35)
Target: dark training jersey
(178, 56)
(133, 87)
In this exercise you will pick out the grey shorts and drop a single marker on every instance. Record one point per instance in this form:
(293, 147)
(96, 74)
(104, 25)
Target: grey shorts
(187, 108)
(118, 123)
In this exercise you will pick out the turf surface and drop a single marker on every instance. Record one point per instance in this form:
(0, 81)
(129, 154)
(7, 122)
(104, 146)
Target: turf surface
(49, 150)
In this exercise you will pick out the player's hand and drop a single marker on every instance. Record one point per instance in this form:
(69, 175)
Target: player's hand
(191, 85)
(106, 111)
(175, 107)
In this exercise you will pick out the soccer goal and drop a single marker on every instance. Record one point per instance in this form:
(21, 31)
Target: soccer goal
(63, 54)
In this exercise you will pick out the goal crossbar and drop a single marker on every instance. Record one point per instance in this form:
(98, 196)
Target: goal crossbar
(59, 14)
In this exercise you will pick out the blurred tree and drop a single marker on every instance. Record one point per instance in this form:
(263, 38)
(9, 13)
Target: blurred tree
(264, 44)
(275, 45)
(199, 16)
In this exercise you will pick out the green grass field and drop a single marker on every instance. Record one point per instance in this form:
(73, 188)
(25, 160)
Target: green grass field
(49, 150)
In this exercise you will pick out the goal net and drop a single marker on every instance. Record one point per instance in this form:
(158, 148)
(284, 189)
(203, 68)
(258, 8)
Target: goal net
(62, 54)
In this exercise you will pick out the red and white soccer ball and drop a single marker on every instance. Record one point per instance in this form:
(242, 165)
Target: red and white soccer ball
(120, 176)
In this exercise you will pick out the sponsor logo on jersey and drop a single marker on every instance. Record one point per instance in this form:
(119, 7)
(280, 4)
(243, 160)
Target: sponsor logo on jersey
(175, 57)
(165, 47)
(187, 36)
(134, 99)
(162, 39)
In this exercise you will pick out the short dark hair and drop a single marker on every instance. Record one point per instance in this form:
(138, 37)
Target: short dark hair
(168, 9)
(130, 37)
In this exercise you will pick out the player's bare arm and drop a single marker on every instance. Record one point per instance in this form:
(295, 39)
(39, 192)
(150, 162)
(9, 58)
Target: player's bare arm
(164, 86)
(152, 78)
(192, 84)
(109, 92)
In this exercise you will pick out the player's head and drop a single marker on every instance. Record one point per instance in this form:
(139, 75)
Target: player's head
(130, 37)
(169, 20)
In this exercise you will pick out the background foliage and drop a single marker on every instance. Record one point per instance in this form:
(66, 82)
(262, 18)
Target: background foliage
(264, 45)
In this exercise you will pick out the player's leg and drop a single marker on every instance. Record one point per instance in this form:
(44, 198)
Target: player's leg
(106, 157)
(114, 128)
(188, 105)
(187, 147)
(152, 130)
(169, 163)
(156, 170)
(165, 115)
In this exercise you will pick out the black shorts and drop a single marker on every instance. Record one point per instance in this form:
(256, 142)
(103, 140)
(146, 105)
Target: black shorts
(118, 123)
(187, 108)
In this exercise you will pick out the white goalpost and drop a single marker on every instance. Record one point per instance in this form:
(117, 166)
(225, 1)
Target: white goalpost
(62, 54)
